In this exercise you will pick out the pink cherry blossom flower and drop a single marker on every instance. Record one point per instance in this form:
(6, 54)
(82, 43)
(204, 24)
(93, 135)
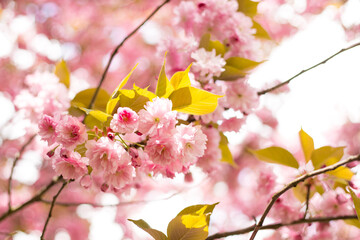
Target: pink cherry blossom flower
(106, 155)
(241, 96)
(210, 160)
(70, 132)
(157, 116)
(207, 64)
(71, 165)
(121, 177)
(192, 142)
(232, 124)
(124, 121)
(47, 126)
(162, 149)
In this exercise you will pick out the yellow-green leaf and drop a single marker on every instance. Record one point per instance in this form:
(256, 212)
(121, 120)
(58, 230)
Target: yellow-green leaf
(102, 118)
(326, 156)
(276, 155)
(156, 234)
(209, 45)
(237, 67)
(191, 223)
(226, 155)
(307, 144)
(163, 88)
(353, 222)
(181, 79)
(122, 84)
(248, 7)
(260, 31)
(83, 98)
(342, 172)
(194, 101)
(63, 73)
(356, 201)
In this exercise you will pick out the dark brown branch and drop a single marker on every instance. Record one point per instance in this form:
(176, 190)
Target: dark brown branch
(279, 225)
(51, 208)
(308, 186)
(34, 199)
(305, 70)
(13, 167)
(296, 182)
(117, 49)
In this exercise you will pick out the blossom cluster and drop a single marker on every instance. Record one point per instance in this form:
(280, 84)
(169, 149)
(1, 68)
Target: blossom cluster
(135, 144)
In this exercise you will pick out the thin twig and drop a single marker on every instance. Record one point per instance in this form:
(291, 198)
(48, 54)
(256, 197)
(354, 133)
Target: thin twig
(34, 199)
(279, 225)
(296, 182)
(305, 70)
(13, 167)
(117, 49)
(308, 186)
(51, 208)
(72, 204)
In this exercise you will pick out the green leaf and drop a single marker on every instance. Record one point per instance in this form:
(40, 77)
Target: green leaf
(237, 67)
(225, 151)
(307, 144)
(196, 208)
(83, 98)
(342, 172)
(96, 118)
(135, 99)
(194, 101)
(356, 201)
(326, 156)
(163, 87)
(248, 7)
(122, 84)
(156, 234)
(191, 223)
(81, 149)
(209, 45)
(276, 155)
(260, 31)
(353, 222)
(181, 79)
(63, 73)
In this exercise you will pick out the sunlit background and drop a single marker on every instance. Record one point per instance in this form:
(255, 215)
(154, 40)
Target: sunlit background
(319, 101)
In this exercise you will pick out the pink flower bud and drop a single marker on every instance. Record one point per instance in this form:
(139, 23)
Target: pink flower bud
(86, 181)
(50, 153)
(104, 187)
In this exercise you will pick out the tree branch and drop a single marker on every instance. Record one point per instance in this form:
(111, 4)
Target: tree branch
(117, 49)
(294, 183)
(305, 70)
(51, 208)
(308, 186)
(279, 225)
(13, 167)
(36, 198)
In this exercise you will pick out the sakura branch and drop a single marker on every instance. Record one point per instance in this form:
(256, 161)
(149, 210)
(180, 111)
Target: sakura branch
(117, 49)
(52, 206)
(296, 182)
(275, 226)
(34, 199)
(13, 167)
(305, 70)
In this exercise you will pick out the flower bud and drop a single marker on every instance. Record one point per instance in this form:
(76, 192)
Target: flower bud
(86, 181)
